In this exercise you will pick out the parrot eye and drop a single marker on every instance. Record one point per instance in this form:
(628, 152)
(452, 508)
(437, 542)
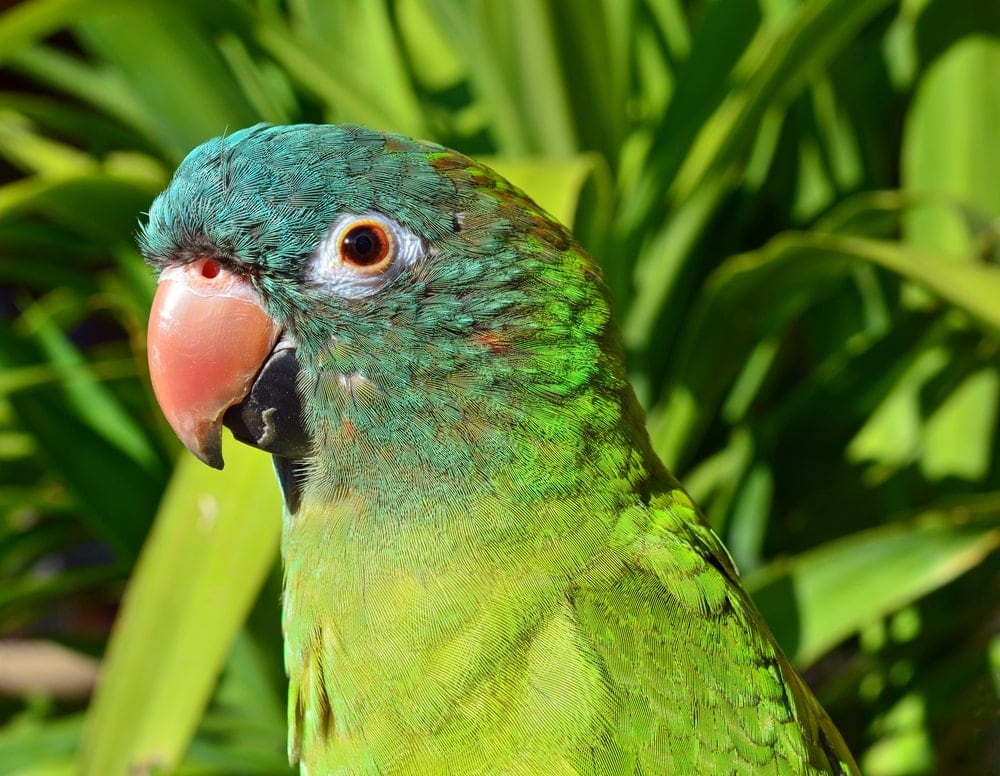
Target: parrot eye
(362, 253)
(367, 246)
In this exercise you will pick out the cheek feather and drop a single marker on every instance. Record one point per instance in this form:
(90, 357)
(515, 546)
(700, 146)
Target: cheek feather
(493, 342)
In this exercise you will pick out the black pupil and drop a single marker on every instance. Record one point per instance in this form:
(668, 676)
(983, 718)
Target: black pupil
(363, 245)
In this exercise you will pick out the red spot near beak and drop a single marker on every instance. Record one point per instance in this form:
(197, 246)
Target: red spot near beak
(209, 269)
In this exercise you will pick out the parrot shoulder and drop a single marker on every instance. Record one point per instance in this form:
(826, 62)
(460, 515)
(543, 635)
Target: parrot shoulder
(700, 682)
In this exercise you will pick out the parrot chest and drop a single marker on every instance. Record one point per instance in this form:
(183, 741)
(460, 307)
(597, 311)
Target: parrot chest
(401, 653)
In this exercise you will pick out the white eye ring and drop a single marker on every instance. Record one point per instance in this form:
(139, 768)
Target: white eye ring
(381, 249)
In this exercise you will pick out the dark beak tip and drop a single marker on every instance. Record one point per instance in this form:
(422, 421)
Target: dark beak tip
(215, 462)
(208, 449)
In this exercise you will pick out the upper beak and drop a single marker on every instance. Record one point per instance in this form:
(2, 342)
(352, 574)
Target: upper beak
(209, 338)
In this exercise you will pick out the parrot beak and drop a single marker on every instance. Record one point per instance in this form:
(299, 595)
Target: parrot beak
(209, 339)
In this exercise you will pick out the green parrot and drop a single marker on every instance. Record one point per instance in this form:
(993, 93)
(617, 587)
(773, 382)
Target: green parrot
(487, 570)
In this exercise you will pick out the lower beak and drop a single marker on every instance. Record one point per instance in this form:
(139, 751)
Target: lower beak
(270, 416)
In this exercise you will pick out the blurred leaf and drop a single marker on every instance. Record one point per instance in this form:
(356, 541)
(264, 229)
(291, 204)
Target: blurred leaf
(35, 153)
(907, 747)
(360, 77)
(91, 401)
(103, 89)
(28, 748)
(435, 61)
(115, 494)
(188, 70)
(815, 600)
(756, 294)
(950, 146)
(892, 434)
(27, 22)
(959, 436)
(520, 84)
(774, 68)
(215, 539)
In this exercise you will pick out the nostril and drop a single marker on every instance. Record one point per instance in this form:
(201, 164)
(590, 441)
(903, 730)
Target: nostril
(210, 269)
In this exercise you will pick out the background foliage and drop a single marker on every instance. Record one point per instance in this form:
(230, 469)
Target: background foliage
(796, 204)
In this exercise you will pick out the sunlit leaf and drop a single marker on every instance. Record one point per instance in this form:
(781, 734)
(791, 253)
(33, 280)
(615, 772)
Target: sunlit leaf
(816, 599)
(215, 539)
(950, 146)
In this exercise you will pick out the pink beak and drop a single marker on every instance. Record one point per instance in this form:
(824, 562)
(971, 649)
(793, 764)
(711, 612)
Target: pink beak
(209, 336)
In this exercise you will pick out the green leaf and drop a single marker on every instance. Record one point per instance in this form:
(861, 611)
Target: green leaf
(214, 541)
(818, 598)
(519, 85)
(87, 396)
(756, 294)
(28, 748)
(959, 436)
(348, 55)
(187, 92)
(773, 70)
(950, 147)
(23, 24)
(115, 495)
(973, 288)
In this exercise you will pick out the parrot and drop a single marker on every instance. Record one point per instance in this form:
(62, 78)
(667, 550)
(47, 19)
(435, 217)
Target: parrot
(486, 567)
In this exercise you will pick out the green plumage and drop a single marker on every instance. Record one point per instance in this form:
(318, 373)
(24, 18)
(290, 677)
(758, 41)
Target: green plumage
(489, 570)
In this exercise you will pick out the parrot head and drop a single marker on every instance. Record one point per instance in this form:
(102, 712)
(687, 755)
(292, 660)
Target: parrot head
(337, 290)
